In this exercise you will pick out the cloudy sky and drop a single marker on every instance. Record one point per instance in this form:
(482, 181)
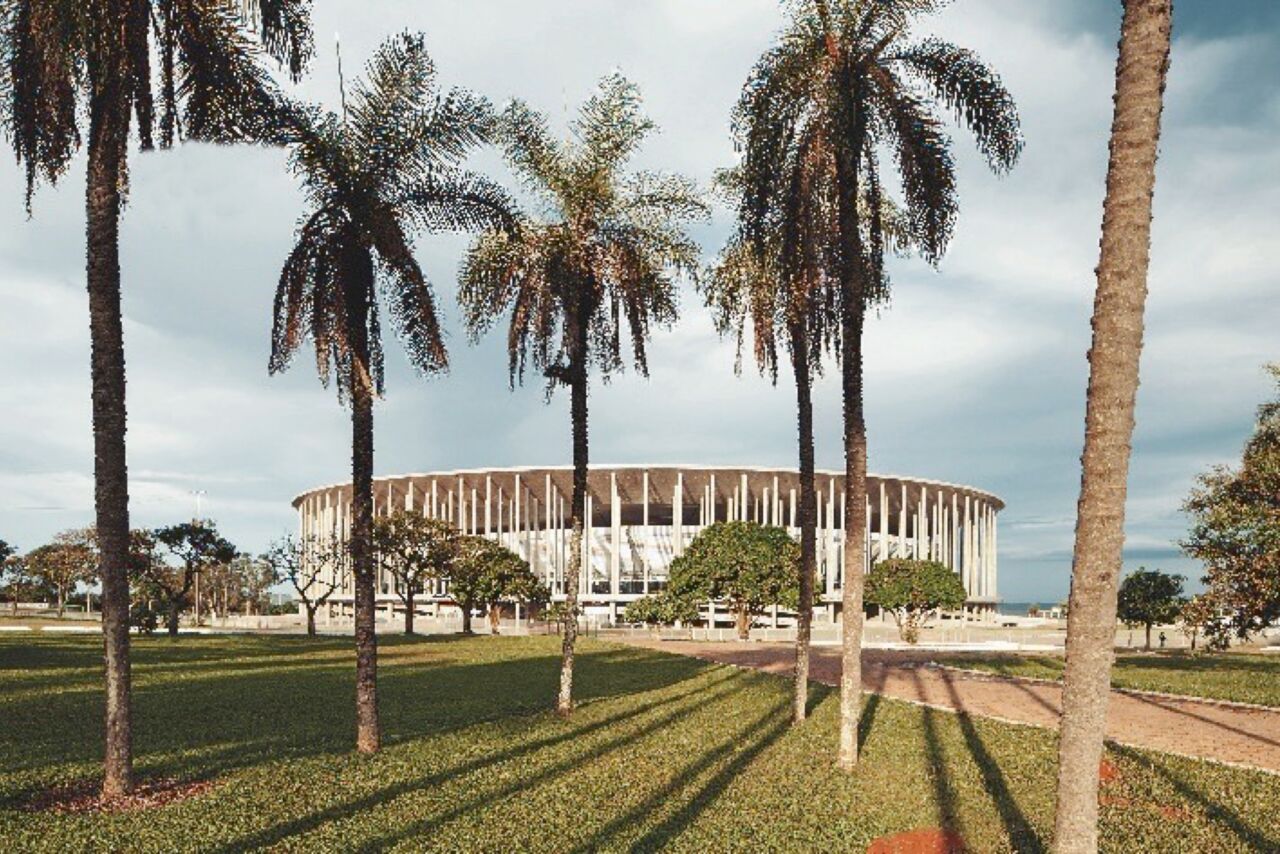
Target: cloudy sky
(976, 372)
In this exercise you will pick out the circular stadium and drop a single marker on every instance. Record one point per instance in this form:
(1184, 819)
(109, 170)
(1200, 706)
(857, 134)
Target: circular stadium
(641, 517)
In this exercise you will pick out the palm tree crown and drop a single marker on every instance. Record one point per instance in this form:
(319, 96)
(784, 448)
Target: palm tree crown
(844, 83)
(600, 264)
(388, 167)
(209, 85)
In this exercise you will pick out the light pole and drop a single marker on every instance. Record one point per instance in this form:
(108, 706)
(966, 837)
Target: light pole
(198, 520)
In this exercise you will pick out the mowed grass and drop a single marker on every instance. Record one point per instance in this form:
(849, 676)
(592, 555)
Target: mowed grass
(664, 753)
(1239, 676)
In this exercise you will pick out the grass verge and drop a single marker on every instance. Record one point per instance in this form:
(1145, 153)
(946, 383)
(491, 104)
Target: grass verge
(665, 753)
(1241, 677)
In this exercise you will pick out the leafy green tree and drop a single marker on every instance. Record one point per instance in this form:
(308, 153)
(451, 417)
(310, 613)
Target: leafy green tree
(746, 565)
(256, 576)
(1196, 617)
(844, 84)
(1149, 597)
(596, 268)
(16, 580)
(195, 547)
(315, 566)
(71, 559)
(510, 580)
(1235, 528)
(661, 609)
(384, 169)
(416, 550)
(95, 71)
(912, 591)
(469, 578)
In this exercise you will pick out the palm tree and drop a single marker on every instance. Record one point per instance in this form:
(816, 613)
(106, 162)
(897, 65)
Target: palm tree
(751, 287)
(1113, 384)
(843, 83)
(761, 283)
(385, 168)
(597, 266)
(62, 64)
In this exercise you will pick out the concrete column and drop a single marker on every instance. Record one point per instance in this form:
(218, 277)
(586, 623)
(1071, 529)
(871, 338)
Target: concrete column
(488, 505)
(711, 516)
(795, 523)
(994, 590)
(547, 536)
(775, 509)
(744, 501)
(902, 521)
(967, 557)
(953, 541)
(615, 536)
(584, 583)
(434, 500)
(866, 558)
(677, 514)
(842, 560)
(832, 555)
(939, 511)
(883, 548)
(515, 512)
(475, 504)
(922, 522)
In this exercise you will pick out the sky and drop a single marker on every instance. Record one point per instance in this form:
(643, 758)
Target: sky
(976, 371)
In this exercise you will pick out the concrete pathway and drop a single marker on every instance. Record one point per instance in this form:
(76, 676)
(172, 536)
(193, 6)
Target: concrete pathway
(1202, 729)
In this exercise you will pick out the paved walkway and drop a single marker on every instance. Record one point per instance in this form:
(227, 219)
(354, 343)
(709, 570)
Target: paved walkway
(1206, 730)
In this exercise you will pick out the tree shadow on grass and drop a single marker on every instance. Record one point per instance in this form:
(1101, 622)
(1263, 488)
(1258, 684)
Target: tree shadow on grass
(215, 721)
(757, 738)
(1022, 834)
(1254, 839)
(943, 793)
(678, 706)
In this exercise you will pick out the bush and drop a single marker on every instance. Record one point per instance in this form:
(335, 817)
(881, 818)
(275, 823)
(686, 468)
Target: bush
(912, 591)
(143, 619)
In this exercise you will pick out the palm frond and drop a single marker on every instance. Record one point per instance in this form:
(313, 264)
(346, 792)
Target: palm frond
(43, 73)
(459, 201)
(611, 124)
(972, 89)
(225, 93)
(926, 167)
(404, 127)
(413, 306)
(284, 28)
(536, 157)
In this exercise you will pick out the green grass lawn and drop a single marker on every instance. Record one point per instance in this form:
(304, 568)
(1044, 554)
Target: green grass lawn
(1242, 677)
(665, 752)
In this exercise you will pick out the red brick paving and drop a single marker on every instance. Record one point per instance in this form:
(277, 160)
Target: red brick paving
(1188, 727)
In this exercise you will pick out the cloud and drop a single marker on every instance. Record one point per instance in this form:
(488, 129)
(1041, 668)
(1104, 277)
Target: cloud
(976, 372)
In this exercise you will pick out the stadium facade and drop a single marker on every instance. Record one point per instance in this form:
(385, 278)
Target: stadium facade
(641, 517)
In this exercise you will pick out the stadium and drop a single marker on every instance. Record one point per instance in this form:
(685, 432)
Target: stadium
(640, 518)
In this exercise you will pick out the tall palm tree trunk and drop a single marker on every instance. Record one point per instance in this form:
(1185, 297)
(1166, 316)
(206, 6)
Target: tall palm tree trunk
(1113, 384)
(108, 138)
(853, 315)
(808, 515)
(855, 536)
(368, 734)
(578, 502)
